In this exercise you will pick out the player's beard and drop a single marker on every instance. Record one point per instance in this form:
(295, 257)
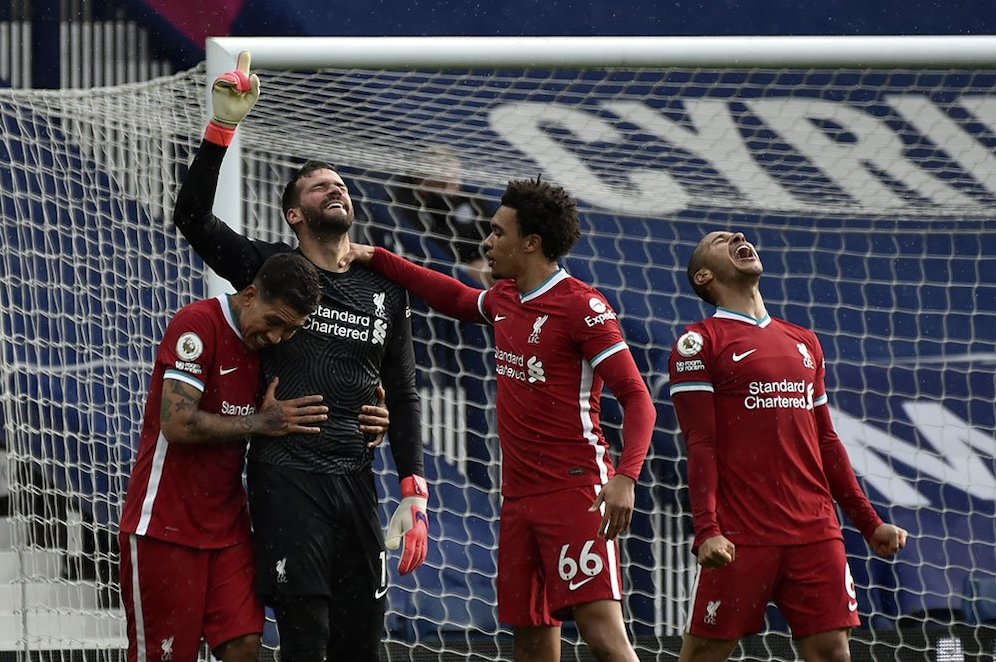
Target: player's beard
(326, 226)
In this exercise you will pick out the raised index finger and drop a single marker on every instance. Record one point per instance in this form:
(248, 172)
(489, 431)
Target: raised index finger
(243, 62)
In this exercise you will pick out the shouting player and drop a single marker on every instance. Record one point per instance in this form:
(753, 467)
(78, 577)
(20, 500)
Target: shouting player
(764, 469)
(557, 341)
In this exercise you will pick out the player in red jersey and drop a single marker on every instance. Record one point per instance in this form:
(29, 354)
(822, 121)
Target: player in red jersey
(557, 340)
(764, 469)
(186, 559)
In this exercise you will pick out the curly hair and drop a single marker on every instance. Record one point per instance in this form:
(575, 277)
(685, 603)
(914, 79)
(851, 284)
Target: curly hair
(291, 279)
(546, 210)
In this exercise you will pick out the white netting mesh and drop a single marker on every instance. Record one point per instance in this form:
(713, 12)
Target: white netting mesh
(868, 193)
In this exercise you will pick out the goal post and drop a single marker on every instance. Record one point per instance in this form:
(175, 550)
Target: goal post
(861, 167)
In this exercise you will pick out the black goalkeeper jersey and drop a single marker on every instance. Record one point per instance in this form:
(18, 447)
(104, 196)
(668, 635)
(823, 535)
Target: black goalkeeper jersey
(359, 337)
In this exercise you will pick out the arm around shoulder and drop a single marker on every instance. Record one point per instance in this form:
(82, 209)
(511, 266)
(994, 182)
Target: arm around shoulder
(443, 293)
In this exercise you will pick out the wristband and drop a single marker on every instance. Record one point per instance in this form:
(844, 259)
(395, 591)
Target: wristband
(219, 134)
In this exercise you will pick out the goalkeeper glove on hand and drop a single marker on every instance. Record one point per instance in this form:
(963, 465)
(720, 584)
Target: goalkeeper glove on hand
(411, 523)
(233, 95)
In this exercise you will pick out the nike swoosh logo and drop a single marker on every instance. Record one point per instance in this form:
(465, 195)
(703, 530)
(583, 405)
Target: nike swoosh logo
(378, 594)
(737, 358)
(225, 371)
(852, 606)
(573, 586)
(499, 318)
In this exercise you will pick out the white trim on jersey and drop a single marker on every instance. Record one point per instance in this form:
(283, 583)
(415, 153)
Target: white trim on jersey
(726, 313)
(606, 353)
(184, 377)
(612, 552)
(136, 600)
(820, 401)
(480, 306)
(587, 427)
(152, 489)
(691, 600)
(544, 287)
(226, 310)
(691, 386)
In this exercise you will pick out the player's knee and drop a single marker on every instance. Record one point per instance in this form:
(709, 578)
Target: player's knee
(605, 644)
(300, 652)
(824, 648)
(358, 634)
(298, 644)
(699, 649)
(835, 654)
(606, 640)
(303, 625)
(240, 649)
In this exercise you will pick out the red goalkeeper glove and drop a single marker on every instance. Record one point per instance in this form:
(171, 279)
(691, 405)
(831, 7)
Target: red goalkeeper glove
(233, 95)
(410, 523)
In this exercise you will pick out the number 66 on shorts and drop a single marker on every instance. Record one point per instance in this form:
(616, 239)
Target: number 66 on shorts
(550, 551)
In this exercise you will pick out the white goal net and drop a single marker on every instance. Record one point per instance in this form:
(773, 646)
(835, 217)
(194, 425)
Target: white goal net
(869, 192)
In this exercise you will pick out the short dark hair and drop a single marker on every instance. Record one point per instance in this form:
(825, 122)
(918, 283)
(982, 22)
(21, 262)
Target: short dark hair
(546, 210)
(696, 262)
(291, 196)
(291, 279)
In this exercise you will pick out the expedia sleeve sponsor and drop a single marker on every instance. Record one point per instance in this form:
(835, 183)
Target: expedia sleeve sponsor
(600, 318)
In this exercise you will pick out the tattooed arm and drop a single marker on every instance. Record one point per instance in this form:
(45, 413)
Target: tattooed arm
(183, 422)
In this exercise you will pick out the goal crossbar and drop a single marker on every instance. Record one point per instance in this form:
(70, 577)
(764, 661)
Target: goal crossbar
(728, 52)
(948, 51)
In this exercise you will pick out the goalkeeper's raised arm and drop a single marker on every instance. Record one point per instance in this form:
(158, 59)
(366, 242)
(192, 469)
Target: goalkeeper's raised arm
(233, 95)
(332, 574)
(232, 256)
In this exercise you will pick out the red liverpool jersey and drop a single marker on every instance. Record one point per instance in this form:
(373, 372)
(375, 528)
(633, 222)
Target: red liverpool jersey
(548, 343)
(766, 377)
(192, 494)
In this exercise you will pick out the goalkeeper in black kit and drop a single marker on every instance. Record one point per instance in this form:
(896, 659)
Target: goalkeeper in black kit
(320, 552)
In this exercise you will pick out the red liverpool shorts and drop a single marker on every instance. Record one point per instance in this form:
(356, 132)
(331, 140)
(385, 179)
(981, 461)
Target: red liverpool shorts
(811, 585)
(173, 595)
(550, 558)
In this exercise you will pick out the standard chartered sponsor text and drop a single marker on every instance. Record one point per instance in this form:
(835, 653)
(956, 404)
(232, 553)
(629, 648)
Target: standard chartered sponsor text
(508, 364)
(341, 323)
(779, 395)
(228, 409)
(509, 357)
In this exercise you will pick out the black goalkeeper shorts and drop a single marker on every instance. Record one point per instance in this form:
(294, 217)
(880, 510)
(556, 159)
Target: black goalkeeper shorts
(317, 535)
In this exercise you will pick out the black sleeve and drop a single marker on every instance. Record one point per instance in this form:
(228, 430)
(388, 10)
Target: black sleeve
(398, 376)
(232, 256)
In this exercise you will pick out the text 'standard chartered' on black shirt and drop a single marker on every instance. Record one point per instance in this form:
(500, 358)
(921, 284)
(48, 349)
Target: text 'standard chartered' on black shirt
(359, 337)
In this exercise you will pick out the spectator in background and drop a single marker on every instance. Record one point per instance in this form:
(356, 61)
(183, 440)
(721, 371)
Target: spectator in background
(430, 205)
